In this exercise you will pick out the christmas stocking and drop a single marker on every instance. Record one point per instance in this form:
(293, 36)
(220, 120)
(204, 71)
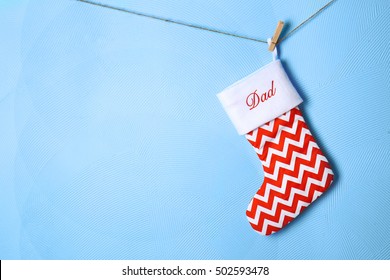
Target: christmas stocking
(264, 107)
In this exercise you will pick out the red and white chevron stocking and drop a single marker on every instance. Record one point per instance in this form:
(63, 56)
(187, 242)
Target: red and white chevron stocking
(264, 107)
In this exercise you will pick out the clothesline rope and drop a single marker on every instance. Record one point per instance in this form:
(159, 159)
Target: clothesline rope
(203, 27)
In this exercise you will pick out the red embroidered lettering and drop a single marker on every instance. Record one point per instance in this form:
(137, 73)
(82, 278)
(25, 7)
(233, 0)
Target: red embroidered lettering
(272, 91)
(263, 97)
(253, 99)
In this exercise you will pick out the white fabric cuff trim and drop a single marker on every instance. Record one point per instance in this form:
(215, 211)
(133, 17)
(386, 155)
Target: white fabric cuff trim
(259, 98)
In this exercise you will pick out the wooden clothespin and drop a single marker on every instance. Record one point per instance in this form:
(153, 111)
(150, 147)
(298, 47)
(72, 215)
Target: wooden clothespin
(275, 38)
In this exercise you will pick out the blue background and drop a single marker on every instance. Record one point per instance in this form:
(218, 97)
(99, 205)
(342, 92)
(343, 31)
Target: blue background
(113, 144)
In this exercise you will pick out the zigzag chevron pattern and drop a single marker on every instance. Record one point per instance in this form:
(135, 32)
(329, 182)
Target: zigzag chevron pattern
(295, 172)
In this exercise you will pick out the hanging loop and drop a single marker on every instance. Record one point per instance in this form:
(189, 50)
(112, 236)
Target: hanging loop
(274, 52)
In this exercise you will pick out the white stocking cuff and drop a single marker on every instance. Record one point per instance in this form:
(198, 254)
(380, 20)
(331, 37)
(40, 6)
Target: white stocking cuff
(259, 98)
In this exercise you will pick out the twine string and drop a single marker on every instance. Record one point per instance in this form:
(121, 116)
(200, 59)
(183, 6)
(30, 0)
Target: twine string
(207, 28)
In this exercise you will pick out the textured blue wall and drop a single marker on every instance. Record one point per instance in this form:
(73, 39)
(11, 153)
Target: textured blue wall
(113, 144)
